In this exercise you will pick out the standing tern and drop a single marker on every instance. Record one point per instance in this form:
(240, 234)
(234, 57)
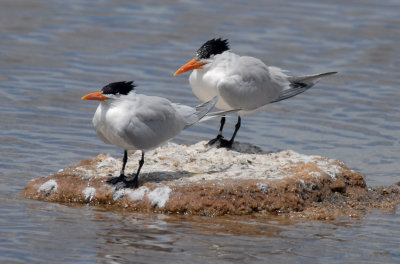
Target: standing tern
(139, 122)
(240, 82)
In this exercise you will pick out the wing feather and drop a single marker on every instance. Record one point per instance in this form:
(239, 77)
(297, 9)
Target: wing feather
(151, 122)
(250, 84)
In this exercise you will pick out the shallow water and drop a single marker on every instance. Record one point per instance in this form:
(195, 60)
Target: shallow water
(53, 52)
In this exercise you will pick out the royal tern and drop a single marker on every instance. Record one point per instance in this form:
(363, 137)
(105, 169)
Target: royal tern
(240, 82)
(139, 122)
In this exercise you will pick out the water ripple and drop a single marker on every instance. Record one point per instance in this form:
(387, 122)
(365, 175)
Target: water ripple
(54, 52)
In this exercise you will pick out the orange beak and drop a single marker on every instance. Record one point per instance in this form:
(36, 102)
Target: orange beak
(98, 96)
(191, 65)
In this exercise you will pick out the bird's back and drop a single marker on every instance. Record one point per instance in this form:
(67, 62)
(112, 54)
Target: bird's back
(242, 82)
(138, 122)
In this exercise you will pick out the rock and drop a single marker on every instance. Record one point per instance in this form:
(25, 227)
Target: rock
(202, 180)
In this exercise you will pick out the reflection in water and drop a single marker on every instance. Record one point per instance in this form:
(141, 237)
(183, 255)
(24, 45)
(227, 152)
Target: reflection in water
(54, 52)
(238, 239)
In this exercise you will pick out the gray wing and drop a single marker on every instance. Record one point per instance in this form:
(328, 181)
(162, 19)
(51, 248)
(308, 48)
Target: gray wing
(250, 84)
(300, 84)
(152, 122)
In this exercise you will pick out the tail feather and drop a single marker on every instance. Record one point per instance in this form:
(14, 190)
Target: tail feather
(201, 111)
(218, 114)
(300, 84)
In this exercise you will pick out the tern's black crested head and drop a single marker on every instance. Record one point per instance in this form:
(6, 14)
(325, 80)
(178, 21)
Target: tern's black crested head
(212, 47)
(118, 88)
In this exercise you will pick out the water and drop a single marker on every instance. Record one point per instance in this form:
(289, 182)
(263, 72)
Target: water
(53, 52)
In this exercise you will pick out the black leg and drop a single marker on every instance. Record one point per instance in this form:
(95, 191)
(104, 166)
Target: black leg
(135, 183)
(221, 126)
(122, 176)
(124, 161)
(219, 136)
(237, 126)
(228, 144)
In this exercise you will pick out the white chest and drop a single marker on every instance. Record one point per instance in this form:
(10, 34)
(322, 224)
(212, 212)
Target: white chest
(205, 86)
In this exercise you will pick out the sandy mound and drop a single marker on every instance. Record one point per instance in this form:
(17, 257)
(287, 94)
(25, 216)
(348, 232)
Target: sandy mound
(203, 180)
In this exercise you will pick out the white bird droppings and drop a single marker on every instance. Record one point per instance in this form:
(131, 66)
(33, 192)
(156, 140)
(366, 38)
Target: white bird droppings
(108, 162)
(89, 193)
(48, 187)
(119, 194)
(134, 195)
(198, 162)
(138, 194)
(159, 196)
(262, 187)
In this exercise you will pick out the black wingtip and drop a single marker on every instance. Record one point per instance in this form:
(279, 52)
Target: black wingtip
(330, 73)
